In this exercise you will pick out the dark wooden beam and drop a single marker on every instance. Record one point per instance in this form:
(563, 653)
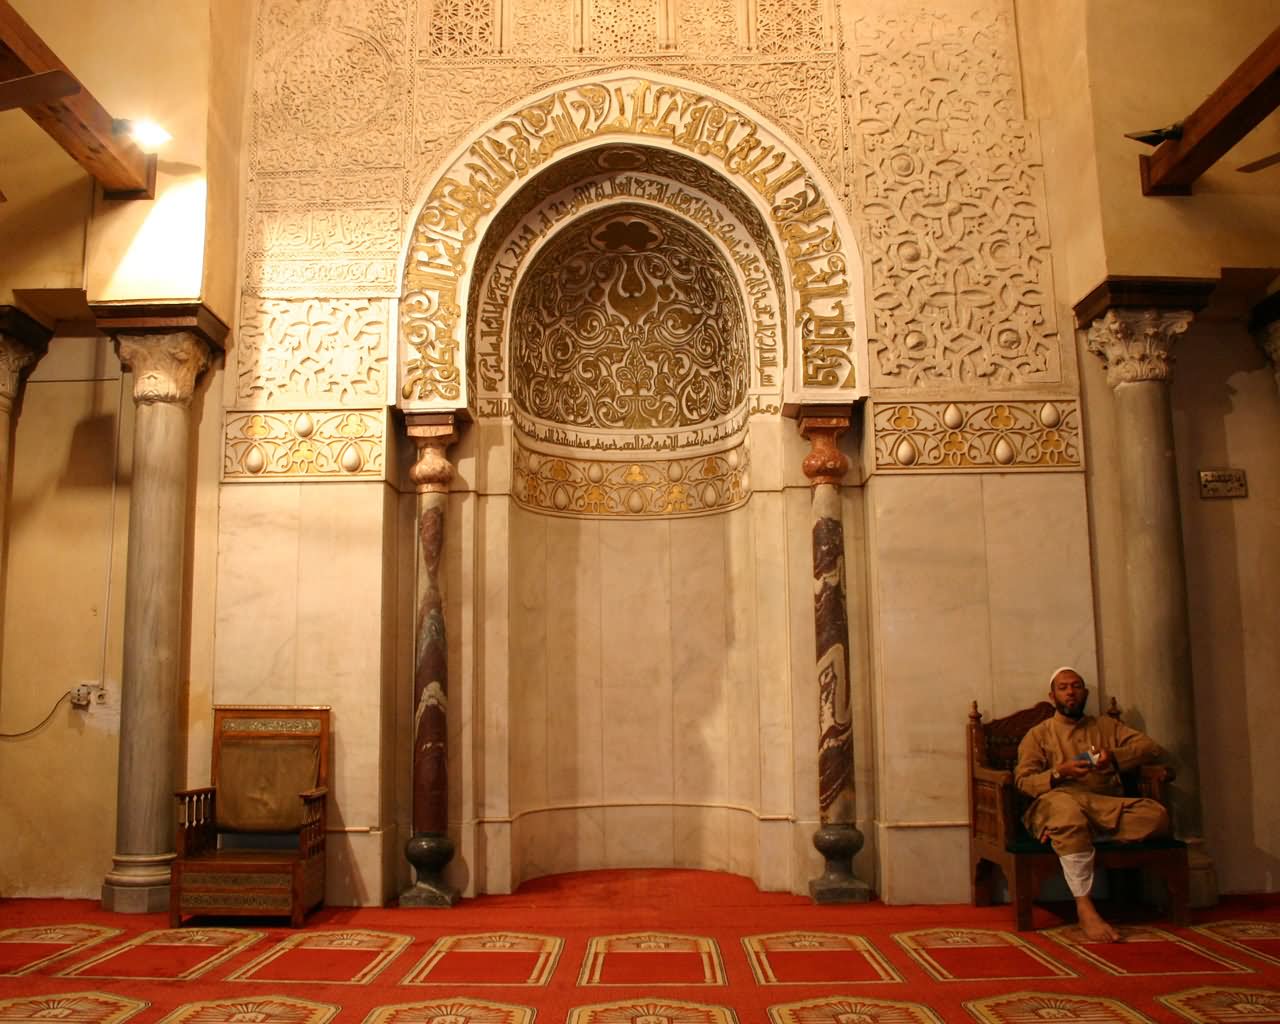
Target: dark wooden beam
(1233, 110)
(77, 121)
(1121, 292)
(29, 90)
(160, 318)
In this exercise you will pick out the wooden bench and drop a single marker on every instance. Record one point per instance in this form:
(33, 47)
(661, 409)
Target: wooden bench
(998, 839)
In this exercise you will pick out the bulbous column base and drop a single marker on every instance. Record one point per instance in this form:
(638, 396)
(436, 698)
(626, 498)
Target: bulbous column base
(429, 853)
(137, 884)
(838, 844)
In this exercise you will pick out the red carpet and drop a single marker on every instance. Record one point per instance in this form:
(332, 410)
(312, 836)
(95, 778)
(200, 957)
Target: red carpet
(634, 947)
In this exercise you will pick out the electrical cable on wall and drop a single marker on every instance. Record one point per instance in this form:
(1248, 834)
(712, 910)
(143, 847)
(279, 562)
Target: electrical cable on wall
(35, 728)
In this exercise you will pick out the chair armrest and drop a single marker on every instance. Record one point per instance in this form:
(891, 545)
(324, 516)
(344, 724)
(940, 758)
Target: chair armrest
(1001, 777)
(199, 791)
(1153, 780)
(196, 812)
(314, 794)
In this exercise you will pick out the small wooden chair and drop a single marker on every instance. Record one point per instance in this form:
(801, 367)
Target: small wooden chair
(253, 843)
(998, 839)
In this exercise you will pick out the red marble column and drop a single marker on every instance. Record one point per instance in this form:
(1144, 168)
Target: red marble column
(430, 849)
(837, 838)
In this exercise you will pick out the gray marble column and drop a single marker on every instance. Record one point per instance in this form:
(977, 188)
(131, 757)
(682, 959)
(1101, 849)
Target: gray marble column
(1135, 346)
(430, 849)
(165, 368)
(837, 838)
(22, 343)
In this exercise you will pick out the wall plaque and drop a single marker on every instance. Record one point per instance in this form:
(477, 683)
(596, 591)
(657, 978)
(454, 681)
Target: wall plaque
(1223, 483)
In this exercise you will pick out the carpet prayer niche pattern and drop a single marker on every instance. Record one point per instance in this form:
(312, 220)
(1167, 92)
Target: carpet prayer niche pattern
(636, 947)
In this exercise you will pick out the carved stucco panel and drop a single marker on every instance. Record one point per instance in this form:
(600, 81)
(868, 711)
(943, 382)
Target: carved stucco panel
(304, 444)
(330, 84)
(312, 352)
(950, 187)
(1006, 435)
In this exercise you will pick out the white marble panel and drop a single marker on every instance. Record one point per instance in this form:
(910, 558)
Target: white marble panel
(932, 627)
(556, 841)
(765, 439)
(701, 837)
(857, 584)
(772, 646)
(924, 865)
(635, 565)
(495, 856)
(776, 854)
(355, 869)
(575, 702)
(340, 594)
(698, 663)
(256, 622)
(807, 862)
(798, 518)
(744, 845)
(1037, 530)
(528, 667)
(639, 837)
(460, 588)
(492, 682)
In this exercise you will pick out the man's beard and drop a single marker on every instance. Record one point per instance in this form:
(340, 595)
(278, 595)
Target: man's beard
(1069, 712)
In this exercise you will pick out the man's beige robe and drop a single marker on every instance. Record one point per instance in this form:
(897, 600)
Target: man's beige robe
(1072, 812)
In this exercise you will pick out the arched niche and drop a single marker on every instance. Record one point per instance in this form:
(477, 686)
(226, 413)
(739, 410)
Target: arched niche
(825, 334)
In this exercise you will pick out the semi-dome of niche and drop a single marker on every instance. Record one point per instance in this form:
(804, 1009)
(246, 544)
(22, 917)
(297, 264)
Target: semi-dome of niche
(629, 320)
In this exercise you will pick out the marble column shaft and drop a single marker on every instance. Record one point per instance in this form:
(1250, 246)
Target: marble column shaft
(430, 849)
(1136, 347)
(1269, 339)
(837, 839)
(165, 368)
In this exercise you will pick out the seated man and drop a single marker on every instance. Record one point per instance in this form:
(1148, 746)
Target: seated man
(1069, 764)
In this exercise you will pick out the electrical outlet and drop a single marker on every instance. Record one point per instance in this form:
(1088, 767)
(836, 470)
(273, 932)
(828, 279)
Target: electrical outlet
(85, 694)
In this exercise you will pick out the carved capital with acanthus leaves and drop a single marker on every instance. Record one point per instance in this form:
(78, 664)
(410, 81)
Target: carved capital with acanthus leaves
(825, 463)
(165, 367)
(1137, 344)
(14, 358)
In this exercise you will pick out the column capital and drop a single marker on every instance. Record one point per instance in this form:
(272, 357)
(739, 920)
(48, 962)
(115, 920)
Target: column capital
(164, 366)
(1137, 344)
(822, 427)
(432, 433)
(1265, 325)
(23, 340)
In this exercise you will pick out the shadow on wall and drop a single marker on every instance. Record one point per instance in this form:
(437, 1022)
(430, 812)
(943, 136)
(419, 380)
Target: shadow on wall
(1223, 389)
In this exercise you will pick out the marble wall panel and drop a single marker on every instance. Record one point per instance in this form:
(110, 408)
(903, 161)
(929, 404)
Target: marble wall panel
(255, 659)
(774, 837)
(492, 684)
(797, 520)
(700, 687)
(555, 841)
(924, 865)
(339, 624)
(495, 857)
(574, 640)
(466, 742)
(744, 844)
(639, 837)
(355, 865)
(701, 837)
(772, 650)
(528, 661)
(931, 621)
(635, 565)
(1037, 530)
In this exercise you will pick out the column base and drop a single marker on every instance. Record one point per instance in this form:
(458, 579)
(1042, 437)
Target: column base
(429, 852)
(1202, 876)
(838, 884)
(427, 894)
(137, 884)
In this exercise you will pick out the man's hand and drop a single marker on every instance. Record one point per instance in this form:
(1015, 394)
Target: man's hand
(1074, 769)
(1103, 760)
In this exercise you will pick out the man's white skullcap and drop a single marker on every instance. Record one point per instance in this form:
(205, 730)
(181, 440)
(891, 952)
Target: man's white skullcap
(1063, 668)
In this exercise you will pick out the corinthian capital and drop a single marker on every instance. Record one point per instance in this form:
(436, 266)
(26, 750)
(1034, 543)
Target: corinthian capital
(1136, 344)
(22, 342)
(164, 366)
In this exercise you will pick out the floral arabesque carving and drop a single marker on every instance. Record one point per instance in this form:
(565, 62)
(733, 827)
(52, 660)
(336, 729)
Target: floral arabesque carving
(917, 436)
(304, 444)
(315, 351)
(816, 254)
(591, 488)
(950, 187)
(629, 319)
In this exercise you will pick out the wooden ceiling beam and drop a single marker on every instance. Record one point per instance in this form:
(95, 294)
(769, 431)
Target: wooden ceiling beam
(1234, 109)
(75, 120)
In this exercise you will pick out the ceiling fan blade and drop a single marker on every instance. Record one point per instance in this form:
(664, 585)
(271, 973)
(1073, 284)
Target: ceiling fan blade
(1259, 165)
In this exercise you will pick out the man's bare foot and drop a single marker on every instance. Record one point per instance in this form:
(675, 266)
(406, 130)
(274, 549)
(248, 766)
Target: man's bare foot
(1091, 923)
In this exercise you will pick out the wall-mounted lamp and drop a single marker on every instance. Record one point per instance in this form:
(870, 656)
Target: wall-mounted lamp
(148, 135)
